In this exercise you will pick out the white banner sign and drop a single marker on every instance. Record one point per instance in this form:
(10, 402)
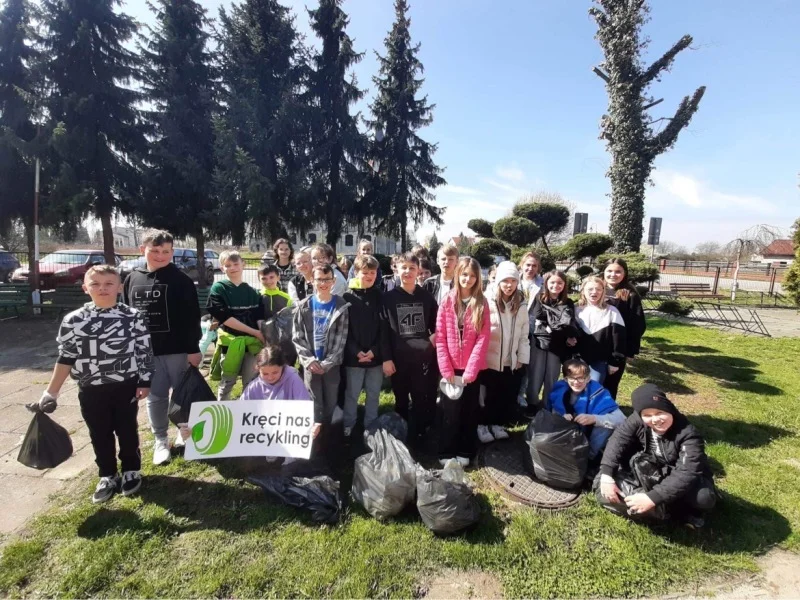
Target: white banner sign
(250, 428)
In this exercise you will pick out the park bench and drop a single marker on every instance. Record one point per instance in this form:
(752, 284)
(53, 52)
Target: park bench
(13, 297)
(693, 290)
(64, 297)
(202, 299)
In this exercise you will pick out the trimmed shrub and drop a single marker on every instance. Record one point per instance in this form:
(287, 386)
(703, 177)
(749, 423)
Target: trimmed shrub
(680, 308)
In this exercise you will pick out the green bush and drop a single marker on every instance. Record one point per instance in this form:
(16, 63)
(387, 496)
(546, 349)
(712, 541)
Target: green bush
(548, 264)
(485, 250)
(584, 271)
(680, 308)
(640, 269)
(516, 231)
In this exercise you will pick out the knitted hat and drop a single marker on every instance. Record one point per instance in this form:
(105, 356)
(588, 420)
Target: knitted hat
(506, 270)
(650, 396)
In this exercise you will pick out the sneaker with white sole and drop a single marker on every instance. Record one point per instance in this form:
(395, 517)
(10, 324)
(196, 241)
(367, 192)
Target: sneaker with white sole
(483, 435)
(179, 441)
(444, 461)
(161, 450)
(105, 490)
(463, 461)
(131, 482)
(499, 433)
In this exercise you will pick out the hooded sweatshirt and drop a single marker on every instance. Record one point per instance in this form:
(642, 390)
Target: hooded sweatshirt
(288, 387)
(368, 331)
(167, 298)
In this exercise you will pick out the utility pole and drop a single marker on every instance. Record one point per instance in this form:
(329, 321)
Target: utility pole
(36, 295)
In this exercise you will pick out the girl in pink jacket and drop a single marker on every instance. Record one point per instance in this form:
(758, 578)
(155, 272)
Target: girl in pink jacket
(463, 329)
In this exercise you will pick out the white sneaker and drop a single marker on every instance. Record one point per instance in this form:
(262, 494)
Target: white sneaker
(463, 461)
(179, 441)
(484, 436)
(444, 461)
(499, 433)
(161, 450)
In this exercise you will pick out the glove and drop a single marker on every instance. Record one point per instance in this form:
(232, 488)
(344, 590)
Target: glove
(47, 403)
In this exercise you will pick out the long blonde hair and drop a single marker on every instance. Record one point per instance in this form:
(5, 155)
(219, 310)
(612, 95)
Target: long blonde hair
(475, 304)
(598, 281)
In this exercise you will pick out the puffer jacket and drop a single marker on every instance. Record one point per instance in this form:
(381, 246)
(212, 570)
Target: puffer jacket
(520, 346)
(455, 351)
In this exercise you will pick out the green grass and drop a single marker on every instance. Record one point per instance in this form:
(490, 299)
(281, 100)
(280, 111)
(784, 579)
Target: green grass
(194, 533)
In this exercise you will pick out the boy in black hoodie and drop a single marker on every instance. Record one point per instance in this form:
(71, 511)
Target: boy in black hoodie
(410, 356)
(366, 339)
(661, 431)
(168, 299)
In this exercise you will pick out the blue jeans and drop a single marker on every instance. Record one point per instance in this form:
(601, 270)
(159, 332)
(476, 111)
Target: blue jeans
(598, 371)
(598, 439)
(359, 378)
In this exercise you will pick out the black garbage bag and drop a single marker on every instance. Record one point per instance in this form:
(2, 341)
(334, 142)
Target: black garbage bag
(278, 330)
(192, 388)
(445, 501)
(46, 444)
(384, 480)
(319, 494)
(558, 451)
(392, 423)
(645, 472)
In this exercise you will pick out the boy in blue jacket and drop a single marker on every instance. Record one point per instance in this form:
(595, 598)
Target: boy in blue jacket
(577, 398)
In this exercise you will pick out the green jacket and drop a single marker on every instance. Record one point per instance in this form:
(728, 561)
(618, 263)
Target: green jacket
(237, 346)
(274, 301)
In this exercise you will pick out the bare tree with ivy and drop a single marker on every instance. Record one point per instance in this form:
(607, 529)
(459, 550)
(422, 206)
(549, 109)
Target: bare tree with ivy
(632, 136)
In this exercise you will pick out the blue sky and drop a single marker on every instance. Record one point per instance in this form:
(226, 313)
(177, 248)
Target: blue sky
(517, 106)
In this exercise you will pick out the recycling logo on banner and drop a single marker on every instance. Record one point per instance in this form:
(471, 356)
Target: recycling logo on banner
(220, 419)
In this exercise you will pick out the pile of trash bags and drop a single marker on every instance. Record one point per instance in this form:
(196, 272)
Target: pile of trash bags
(387, 479)
(644, 474)
(557, 451)
(46, 443)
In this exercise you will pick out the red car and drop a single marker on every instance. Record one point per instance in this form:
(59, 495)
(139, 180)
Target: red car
(63, 267)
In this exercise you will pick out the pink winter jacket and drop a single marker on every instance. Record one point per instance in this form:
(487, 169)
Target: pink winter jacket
(453, 352)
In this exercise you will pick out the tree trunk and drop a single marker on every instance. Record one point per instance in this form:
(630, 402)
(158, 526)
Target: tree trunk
(200, 236)
(736, 275)
(403, 238)
(108, 238)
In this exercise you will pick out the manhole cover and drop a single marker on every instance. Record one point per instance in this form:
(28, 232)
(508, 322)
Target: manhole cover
(502, 462)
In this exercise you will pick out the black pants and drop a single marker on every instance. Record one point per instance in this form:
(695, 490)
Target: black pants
(701, 498)
(459, 435)
(411, 385)
(502, 389)
(611, 382)
(108, 410)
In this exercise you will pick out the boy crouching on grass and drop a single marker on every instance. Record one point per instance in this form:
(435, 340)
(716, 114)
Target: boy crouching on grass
(105, 346)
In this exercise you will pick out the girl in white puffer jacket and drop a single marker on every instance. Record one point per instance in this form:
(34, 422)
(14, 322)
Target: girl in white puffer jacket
(508, 355)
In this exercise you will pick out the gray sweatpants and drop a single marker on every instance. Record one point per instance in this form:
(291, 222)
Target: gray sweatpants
(168, 370)
(324, 390)
(247, 371)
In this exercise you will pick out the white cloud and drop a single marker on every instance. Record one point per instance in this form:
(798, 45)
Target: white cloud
(506, 187)
(458, 190)
(512, 173)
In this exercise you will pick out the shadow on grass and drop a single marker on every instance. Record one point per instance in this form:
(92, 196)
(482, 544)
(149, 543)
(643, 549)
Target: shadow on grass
(735, 525)
(737, 433)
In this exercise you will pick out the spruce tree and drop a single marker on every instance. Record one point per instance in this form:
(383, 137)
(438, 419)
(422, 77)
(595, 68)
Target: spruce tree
(263, 134)
(407, 174)
(338, 148)
(631, 135)
(180, 85)
(98, 134)
(17, 128)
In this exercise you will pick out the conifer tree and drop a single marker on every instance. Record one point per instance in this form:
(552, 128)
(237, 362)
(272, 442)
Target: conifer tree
(98, 133)
(180, 84)
(401, 189)
(632, 137)
(338, 148)
(262, 68)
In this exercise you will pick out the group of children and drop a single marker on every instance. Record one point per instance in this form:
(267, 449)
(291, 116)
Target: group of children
(451, 348)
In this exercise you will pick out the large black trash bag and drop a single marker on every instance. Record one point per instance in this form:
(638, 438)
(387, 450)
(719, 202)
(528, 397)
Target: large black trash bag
(645, 472)
(445, 501)
(192, 388)
(46, 444)
(384, 480)
(558, 452)
(278, 330)
(319, 494)
(392, 423)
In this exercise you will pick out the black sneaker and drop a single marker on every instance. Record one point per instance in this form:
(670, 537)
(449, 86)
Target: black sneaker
(105, 490)
(131, 482)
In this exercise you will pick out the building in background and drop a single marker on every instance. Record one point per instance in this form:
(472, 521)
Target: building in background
(347, 244)
(779, 252)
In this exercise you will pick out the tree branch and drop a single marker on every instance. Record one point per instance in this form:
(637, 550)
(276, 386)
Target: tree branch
(666, 139)
(665, 61)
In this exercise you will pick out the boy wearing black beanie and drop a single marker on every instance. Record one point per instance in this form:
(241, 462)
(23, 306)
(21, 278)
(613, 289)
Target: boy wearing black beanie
(658, 428)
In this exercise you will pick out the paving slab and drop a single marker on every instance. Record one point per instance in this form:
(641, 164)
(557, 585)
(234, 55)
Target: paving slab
(22, 497)
(74, 466)
(9, 442)
(14, 418)
(10, 466)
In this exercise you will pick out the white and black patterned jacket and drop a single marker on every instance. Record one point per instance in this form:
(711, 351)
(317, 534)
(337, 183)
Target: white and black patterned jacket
(106, 346)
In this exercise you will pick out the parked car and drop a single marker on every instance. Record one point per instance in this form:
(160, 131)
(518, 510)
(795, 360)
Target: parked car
(184, 258)
(8, 264)
(127, 266)
(213, 258)
(63, 267)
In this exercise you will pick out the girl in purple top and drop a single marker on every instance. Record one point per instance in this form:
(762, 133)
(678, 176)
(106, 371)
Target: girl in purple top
(276, 380)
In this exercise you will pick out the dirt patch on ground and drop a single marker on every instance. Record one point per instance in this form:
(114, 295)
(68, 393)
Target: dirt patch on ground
(462, 584)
